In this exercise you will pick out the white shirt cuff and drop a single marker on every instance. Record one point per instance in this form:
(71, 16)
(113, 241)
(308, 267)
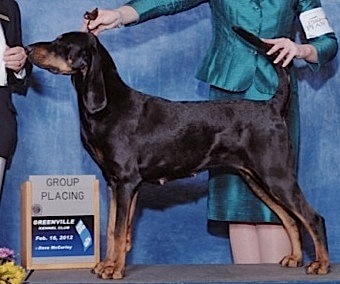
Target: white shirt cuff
(21, 74)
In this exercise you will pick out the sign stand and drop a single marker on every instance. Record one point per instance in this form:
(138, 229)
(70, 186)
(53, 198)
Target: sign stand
(60, 222)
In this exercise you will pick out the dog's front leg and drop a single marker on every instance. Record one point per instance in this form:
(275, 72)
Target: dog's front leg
(105, 268)
(126, 197)
(122, 206)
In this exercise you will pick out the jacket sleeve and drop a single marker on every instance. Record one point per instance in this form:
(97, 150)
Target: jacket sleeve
(150, 9)
(17, 85)
(326, 44)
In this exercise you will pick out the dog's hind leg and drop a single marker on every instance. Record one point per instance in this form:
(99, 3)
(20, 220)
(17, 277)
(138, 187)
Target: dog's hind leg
(284, 191)
(314, 224)
(295, 258)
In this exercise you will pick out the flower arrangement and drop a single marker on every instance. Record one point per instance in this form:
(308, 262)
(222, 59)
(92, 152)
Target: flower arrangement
(10, 273)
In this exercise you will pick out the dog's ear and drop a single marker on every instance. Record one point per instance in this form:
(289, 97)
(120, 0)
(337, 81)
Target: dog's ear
(94, 95)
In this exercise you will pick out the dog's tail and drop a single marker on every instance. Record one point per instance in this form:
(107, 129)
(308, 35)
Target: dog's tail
(282, 95)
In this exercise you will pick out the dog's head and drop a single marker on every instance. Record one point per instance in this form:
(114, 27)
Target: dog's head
(77, 54)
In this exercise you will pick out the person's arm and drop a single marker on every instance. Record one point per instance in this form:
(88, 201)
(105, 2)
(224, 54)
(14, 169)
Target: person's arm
(18, 67)
(137, 11)
(322, 44)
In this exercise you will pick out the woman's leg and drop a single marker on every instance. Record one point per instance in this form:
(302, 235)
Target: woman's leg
(267, 243)
(274, 243)
(244, 243)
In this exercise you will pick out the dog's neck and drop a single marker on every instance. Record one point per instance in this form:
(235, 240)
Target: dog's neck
(115, 86)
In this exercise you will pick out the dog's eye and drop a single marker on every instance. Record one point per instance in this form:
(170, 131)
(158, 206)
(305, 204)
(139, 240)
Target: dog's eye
(78, 63)
(78, 59)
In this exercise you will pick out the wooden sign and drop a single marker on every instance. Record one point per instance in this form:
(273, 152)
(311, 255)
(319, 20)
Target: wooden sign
(60, 222)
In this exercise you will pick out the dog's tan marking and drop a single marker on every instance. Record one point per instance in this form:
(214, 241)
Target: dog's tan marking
(49, 60)
(129, 229)
(321, 264)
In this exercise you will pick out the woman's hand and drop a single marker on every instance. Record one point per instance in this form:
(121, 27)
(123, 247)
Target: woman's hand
(288, 50)
(106, 19)
(109, 19)
(15, 58)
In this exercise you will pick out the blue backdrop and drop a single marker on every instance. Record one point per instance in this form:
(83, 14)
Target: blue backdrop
(160, 57)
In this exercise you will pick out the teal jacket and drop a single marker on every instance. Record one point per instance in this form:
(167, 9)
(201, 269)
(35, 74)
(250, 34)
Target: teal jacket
(230, 64)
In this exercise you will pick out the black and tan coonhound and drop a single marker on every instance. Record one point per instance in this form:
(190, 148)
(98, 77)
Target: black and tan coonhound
(135, 137)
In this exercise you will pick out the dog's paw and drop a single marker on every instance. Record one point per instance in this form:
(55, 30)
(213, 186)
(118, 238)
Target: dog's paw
(291, 261)
(108, 270)
(318, 267)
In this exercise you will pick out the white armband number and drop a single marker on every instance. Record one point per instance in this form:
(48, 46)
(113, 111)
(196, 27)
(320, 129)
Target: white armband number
(314, 23)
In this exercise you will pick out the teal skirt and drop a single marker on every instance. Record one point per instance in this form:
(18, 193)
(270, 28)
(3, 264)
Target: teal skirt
(229, 198)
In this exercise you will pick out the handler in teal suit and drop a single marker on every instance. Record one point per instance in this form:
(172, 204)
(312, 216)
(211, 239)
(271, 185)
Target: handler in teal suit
(235, 71)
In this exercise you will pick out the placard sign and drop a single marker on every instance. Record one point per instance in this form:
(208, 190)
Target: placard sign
(60, 221)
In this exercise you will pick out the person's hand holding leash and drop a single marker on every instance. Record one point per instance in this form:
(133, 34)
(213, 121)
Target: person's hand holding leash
(288, 50)
(15, 58)
(109, 19)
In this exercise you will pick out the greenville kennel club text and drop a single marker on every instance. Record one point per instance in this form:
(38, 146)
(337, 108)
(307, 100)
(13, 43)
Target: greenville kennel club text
(63, 225)
(62, 195)
(54, 224)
